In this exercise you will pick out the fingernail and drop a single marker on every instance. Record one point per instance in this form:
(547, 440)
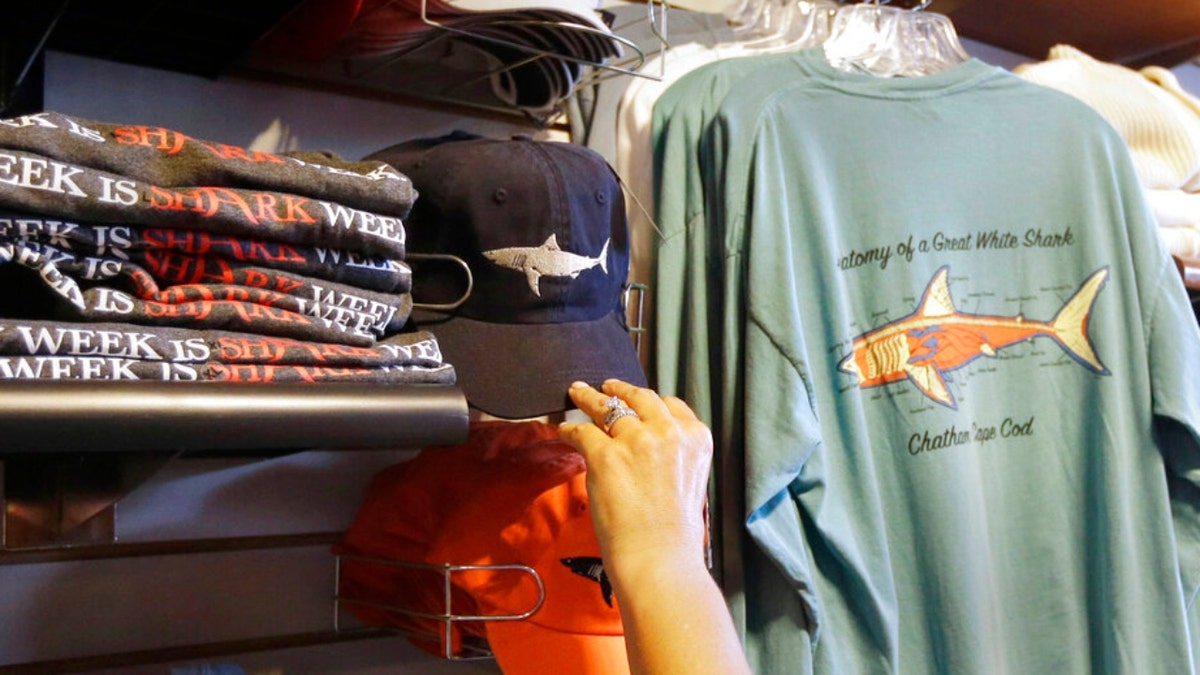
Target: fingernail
(577, 384)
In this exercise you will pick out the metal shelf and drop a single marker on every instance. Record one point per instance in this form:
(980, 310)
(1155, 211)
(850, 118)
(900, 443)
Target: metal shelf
(75, 416)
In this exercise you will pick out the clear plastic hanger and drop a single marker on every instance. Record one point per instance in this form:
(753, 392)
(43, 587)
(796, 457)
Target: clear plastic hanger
(770, 23)
(806, 23)
(861, 36)
(744, 19)
(933, 41)
(814, 24)
(892, 42)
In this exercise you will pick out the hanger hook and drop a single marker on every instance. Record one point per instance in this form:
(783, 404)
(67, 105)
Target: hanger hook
(449, 306)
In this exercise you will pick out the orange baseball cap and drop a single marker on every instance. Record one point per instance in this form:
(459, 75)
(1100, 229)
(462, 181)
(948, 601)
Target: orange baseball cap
(512, 494)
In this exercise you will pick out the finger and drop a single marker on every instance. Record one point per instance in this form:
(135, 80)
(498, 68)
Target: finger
(585, 396)
(585, 438)
(644, 402)
(679, 409)
(590, 400)
(619, 419)
(598, 406)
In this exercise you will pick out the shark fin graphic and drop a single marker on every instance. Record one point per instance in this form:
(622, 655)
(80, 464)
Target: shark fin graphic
(1070, 325)
(937, 301)
(603, 258)
(551, 243)
(533, 276)
(929, 380)
(849, 365)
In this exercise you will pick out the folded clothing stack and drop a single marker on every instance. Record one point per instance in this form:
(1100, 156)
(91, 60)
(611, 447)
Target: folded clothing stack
(41, 350)
(149, 226)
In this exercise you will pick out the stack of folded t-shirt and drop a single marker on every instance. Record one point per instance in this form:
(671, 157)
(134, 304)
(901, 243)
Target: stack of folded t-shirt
(154, 233)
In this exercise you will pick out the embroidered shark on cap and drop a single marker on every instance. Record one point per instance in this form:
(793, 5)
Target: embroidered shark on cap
(547, 259)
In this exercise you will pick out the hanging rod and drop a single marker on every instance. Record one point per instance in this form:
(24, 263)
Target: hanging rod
(193, 652)
(80, 416)
(142, 549)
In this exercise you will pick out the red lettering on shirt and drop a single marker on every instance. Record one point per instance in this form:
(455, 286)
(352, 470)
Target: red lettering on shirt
(161, 199)
(174, 268)
(259, 313)
(201, 243)
(206, 201)
(172, 143)
(178, 268)
(144, 284)
(271, 349)
(209, 201)
(191, 292)
(272, 252)
(274, 373)
(219, 196)
(166, 140)
(267, 208)
(176, 239)
(251, 349)
(237, 373)
(264, 204)
(331, 349)
(189, 310)
(225, 151)
(176, 295)
(294, 210)
(257, 279)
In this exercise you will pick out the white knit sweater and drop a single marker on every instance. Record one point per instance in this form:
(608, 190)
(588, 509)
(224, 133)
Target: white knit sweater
(1159, 121)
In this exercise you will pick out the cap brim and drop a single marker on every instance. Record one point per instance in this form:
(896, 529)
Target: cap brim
(520, 371)
(525, 648)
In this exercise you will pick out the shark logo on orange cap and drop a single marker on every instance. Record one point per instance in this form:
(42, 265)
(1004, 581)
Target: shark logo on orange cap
(592, 568)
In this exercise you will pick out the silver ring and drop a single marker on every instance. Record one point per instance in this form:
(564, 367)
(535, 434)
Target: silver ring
(616, 410)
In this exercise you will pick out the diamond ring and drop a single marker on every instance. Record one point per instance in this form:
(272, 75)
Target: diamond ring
(616, 410)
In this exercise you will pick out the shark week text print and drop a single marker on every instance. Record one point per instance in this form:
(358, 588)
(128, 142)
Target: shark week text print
(937, 338)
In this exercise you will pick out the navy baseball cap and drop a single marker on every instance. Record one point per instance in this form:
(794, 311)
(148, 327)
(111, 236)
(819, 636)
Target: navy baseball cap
(542, 227)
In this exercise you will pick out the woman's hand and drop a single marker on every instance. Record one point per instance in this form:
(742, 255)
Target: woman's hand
(647, 476)
(648, 483)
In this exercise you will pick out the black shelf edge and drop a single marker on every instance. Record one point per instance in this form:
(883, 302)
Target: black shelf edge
(74, 416)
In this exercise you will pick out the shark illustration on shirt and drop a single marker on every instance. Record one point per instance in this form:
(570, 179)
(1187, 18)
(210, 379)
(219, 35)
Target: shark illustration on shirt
(546, 260)
(937, 338)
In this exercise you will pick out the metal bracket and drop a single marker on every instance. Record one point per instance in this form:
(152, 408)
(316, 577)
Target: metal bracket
(58, 500)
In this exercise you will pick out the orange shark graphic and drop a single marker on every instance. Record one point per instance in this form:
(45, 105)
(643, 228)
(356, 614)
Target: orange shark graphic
(937, 338)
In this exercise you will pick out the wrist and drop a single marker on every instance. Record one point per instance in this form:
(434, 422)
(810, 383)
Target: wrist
(636, 566)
